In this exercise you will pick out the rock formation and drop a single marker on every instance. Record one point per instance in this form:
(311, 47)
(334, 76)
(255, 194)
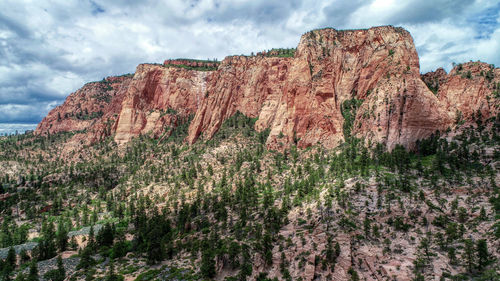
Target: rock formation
(156, 96)
(468, 91)
(361, 83)
(93, 109)
(300, 98)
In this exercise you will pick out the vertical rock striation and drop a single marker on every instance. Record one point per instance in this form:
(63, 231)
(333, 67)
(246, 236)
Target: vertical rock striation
(300, 99)
(157, 95)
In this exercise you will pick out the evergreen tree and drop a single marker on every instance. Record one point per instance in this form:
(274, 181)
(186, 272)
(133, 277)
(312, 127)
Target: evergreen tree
(47, 246)
(425, 247)
(86, 259)
(267, 248)
(111, 275)
(33, 272)
(6, 235)
(105, 237)
(468, 254)
(234, 250)
(354, 274)
(482, 214)
(119, 249)
(207, 268)
(332, 252)
(452, 255)
(24, 256)
(62, 237)
(60, 267)
(58, 274)
(91, 243)
(73, 245)
(10, 261)
(246, 266)
(155, 248)
(20, 277)
(482, 254)
(6, 270)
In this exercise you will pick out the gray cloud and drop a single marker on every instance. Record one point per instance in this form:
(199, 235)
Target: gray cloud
(51, 48)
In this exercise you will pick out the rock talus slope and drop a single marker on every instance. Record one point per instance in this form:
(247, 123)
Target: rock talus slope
(362, 83)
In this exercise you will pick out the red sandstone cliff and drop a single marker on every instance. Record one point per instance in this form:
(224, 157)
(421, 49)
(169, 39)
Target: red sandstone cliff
(467, 92)
(300, 99)
(156, 97)
(93, 109)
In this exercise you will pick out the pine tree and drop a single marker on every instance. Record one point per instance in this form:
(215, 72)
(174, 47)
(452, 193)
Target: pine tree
(367, 226)
(111, 275)
(20, 277)
(85, 259)
(234, 249)
(246, 266)
(5, 234)
(482, 254)
(58, 274)
(155, 248)
(468, 254)
(11, 258)
(267, 249)
(482, 214)
(452, 255)
(354, 274)
(91, 244)
(105, 237)
(5, 271)
(62, 237)
(332, 252)
(207, 267)
(73, 245)
(33, 272)
(24, 256)
(60, 267)
(425, 247)
(47, 246)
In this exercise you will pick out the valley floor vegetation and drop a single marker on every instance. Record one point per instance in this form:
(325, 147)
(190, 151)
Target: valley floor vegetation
(230, 209)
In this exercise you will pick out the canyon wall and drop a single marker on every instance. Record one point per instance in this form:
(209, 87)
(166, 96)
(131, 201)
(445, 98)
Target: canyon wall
(156, 97)
(300, 99)
(338, 84)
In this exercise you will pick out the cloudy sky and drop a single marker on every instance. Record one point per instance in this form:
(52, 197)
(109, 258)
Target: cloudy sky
(48, 49)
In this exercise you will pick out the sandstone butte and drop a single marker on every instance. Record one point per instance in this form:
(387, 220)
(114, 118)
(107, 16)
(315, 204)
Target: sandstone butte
(300, 98)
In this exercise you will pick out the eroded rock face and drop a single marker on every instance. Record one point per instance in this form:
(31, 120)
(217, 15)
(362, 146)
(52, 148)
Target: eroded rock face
(254, 86)
(93, 109)
(361, 83)
(156, 96)
(300, 98)
(434, 79)
(467, 92)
